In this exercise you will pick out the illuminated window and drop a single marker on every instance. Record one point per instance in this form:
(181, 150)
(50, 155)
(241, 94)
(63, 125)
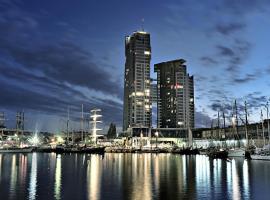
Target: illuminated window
(147, 52)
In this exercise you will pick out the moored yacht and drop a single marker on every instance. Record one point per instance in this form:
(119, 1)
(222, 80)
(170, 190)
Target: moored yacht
(262, 153)
(237, 152)
(16, 150)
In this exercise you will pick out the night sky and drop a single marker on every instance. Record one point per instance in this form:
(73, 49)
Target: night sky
(55, 54)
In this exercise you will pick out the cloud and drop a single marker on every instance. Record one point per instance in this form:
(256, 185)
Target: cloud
(235, 55)
(225, 51)
(256, 100)
(247, 78)
(218, 106)
(229, 28)
(202, 119)
(65, 62)
(208, 61)
(241, 8)
(46, 74)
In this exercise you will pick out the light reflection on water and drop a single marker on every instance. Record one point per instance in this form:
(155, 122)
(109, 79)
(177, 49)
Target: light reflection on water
(13, 178)
(131, 176)
(33, 178)
(245, 180)
(235, 182)
(58, 178)
(1, 156)
(94, 176)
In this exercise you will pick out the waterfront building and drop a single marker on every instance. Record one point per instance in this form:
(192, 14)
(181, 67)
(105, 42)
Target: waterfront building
(153, 92)
(175, 95)
(137, 100)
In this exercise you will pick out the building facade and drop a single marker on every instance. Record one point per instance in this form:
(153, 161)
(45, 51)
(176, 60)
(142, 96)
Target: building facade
(137, 101)
(175, 95)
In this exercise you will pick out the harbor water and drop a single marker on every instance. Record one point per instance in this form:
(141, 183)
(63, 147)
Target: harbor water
(131, 176)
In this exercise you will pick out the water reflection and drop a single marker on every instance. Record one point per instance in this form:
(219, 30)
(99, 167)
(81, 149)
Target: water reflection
(235, 182)
(13, 178)
(1, 166)
(156, 177)
(202, 174)
(58, 178)
(130, 176)
(22, 169)
(246, 179)
(33, 178)
(94, 168)
(142, 177)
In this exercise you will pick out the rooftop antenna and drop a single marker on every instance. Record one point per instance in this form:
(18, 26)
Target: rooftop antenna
(142, 24)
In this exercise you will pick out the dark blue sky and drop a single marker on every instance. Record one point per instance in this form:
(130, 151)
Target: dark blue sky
(55, 54)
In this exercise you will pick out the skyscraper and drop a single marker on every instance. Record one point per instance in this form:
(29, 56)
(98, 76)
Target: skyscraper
(137, 102)
(175, 90)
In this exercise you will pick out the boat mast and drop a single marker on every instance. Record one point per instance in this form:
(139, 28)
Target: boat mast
(262, 129)
(236, 123)
(212, 140)
(268, 128)
(246, 125)
(224, 123)
(218, 127)
(67, 125)
(22, 122)
(82, 128)
(2, 123)
(232, 134)
(19, 125)
(95, 116)
(236, 118)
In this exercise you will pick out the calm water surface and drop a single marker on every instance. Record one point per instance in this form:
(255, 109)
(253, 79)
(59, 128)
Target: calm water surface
(131, 176)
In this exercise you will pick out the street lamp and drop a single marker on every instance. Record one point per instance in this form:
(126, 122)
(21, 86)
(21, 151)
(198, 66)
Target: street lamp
(141, 136)
(156, 134)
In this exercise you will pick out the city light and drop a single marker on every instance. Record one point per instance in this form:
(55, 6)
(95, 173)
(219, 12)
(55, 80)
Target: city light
(60, 139)
(99, 108)
(156, 134)
(34, 140)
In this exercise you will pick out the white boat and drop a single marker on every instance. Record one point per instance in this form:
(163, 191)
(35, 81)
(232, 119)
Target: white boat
(261, 154)
(16, 150)
(238, 152)
(260, 157)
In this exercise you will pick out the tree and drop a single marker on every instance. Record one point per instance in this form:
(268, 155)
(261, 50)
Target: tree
(112, 131)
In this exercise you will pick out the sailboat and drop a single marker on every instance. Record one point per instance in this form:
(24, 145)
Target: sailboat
(16, 147)
(215, 151)
(239, 151)
(263, 153)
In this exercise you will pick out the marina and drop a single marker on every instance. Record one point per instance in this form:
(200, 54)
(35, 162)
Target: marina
(134, 100)
(92, 142)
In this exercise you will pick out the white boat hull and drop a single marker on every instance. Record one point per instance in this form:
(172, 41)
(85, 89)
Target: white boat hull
(260, 157)
(236, 153)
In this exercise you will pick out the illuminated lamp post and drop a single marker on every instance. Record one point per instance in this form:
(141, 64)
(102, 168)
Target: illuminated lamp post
(156, 134)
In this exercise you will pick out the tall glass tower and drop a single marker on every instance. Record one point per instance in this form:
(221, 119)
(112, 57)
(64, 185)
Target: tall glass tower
(137, 101)
(175, 99)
